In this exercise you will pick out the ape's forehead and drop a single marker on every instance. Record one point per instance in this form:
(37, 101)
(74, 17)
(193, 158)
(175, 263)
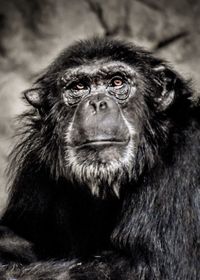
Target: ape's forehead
(100, 68)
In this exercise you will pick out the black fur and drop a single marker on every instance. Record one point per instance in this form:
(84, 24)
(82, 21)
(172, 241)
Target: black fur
(152, 231)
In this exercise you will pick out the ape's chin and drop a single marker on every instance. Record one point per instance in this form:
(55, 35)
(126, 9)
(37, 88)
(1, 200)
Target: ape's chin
(103, 180)
(103, 171)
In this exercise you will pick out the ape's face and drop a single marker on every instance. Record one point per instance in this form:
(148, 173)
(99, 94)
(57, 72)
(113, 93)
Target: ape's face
(102, 137)
(102, 101)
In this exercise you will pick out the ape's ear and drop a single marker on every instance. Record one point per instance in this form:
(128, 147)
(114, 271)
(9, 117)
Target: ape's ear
(33, 96)
(165, 80)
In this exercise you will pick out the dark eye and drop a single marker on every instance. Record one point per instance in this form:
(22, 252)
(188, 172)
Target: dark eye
(117, 82)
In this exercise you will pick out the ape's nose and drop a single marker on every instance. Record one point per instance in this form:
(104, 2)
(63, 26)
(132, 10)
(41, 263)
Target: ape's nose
(98, 105)
(101, 104)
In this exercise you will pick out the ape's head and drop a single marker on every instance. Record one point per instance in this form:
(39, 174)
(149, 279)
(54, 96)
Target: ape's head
(101, 112)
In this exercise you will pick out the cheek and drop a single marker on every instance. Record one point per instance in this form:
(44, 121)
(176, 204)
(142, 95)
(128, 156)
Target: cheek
(134, 113)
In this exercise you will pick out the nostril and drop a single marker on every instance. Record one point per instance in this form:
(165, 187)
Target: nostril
(92, 104)
(103, 105)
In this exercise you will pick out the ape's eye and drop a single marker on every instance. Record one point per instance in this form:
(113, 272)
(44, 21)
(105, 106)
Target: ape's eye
(117, 82)
(78, 86)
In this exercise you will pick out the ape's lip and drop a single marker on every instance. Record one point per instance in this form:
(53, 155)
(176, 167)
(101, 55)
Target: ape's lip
(103, 142)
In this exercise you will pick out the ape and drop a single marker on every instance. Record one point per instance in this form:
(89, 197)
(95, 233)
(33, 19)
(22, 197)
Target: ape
(106, 174)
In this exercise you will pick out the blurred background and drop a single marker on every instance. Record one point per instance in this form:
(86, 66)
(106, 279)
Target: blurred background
(33, 32)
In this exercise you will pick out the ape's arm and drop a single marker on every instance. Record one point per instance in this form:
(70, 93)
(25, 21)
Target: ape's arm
(18, 261)
(36, 271)
(14, 249)
(108, 266)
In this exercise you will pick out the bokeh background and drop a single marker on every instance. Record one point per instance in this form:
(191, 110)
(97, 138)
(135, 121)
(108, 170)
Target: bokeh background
(33, 32)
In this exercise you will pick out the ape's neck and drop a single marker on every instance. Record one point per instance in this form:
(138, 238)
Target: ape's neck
(90, 220)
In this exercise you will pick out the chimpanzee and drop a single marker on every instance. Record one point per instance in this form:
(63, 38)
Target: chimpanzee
(106, 173)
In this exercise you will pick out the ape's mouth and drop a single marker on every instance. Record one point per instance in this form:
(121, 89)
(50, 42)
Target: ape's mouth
(103, 142)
